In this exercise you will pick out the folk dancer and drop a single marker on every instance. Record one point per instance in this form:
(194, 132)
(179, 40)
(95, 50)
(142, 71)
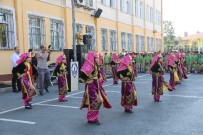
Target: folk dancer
(61, 72)
(128, 91)
(182, 63)
(170, 66)
(24, 72)
(94, 94)
(158, 82)
(114, 64)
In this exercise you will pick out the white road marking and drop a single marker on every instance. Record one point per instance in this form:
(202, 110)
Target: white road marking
(108, 85)
(187, 79)
(141, 82)
(113, 91)
(115, 86)
(142, 79)
(183, 96)
(63, 106)
(74, 97)
(189, 75)
(135, 77)
(141, 76)
(14, 109)
(17, 121)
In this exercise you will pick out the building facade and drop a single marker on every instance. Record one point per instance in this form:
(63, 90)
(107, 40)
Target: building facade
(133, 25)
(193, 42)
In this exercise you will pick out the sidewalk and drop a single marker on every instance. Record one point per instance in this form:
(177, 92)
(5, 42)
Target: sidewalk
(9, 89)
(5, 86)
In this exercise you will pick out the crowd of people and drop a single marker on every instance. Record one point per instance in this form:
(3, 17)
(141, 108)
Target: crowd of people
(125, 67)
(32, 68)
(193, 61)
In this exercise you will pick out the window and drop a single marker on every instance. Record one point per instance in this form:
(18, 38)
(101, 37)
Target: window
(128, 6)
(141, 10)
(57, 35)
(113, 3)
(159, 18)
(78, 27)
(103, 2)
(129, 42)
(91, 30)
(150, 44)
(90, 3)
(122, 6)
(7, 37)
(137, 43)
(36, 32)
(151, 14)
(123, 41)
(113, 41)
(104, 39)
(136, 8)
(156, 17)
(158, 44)
(148, 13)
(142, 43)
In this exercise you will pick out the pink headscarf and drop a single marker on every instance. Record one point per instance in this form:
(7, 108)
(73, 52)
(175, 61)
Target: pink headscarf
(133, 56)
(171, 60)
(177, 55)
(101, 60)
(125, 63)
(182, 56)
(23, 57)
(155, 59)
(88, 65)
(115, 57)
(59, 60)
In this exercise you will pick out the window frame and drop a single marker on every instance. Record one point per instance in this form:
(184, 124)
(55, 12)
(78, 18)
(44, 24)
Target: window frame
(60, 36)
(41, 34)
(104, 39)
(137, 39)
(129, 47)
(136, 8)
(123, 40)
(113, 40)
(90, 29)
(9, 29)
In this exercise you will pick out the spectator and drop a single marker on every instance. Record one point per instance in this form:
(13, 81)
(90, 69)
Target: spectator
(14, 58)
(110, 58)
(123, 52)
(43, 70)
(35, 80)
(106, 60)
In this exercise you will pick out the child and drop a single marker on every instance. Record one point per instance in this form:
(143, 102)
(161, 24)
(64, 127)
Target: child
(24, 72)
(61, 72)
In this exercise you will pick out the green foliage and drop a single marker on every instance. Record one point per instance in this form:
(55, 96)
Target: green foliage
(168, 34)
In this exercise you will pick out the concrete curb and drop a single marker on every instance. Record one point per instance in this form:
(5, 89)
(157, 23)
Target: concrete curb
(7, 89)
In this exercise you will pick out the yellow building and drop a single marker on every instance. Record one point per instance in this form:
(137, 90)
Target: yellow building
(193, 42)
(133, 25)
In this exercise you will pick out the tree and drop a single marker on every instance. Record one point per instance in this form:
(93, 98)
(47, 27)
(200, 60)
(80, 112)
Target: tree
(168, 34)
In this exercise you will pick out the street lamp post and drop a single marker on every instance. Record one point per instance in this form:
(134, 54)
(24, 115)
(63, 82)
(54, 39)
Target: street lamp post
(73, 28)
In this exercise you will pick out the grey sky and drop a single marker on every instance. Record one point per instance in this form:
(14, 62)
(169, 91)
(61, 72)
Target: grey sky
(186, 15)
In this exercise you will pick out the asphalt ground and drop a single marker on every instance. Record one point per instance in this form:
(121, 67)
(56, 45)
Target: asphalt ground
(179, 113)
